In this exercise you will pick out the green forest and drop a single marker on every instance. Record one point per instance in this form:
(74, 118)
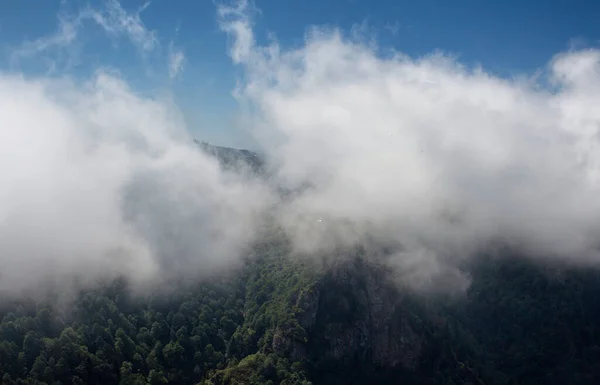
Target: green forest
(283, 321)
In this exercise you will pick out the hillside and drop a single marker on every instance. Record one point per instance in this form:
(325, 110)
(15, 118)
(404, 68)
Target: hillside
(282, 320)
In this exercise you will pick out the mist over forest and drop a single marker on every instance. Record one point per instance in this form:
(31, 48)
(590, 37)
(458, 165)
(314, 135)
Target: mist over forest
(401, 220)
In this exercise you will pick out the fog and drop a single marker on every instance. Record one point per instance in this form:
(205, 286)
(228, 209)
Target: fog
(428, 156)
(96, 180)
(426, 153)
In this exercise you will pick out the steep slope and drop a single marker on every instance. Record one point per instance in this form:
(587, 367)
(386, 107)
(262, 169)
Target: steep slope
(345, 325)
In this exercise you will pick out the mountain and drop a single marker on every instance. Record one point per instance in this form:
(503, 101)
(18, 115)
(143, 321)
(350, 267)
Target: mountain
(281, 320)
(233, 158)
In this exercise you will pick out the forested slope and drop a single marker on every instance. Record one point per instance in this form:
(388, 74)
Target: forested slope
(283, 320)
(223, 331)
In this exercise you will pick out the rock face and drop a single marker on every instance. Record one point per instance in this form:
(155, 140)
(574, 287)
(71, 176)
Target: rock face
(233, 158)
(357, 315)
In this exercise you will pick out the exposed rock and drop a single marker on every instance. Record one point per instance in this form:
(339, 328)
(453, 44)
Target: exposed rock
(308, 305)
(358, 314)
(281, 343)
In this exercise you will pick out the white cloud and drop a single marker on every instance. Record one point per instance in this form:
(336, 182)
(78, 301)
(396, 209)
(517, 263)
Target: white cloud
(96, 181)
(61, 43)
(115, 20)
(235, 21)
(176, 59)
(425, 153)
(60, 49)
(66, 34)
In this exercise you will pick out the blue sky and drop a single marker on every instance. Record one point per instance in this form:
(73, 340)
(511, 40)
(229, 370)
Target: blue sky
(506, 37)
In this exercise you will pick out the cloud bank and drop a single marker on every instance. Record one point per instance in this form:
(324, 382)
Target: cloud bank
(98, 181)
(431, 159)
(424, 153)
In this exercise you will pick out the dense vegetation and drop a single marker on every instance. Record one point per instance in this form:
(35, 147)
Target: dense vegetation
(282, 321)
(518, 324)
(216, 332)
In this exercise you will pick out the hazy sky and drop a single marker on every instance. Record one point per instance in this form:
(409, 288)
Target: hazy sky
(507, 37)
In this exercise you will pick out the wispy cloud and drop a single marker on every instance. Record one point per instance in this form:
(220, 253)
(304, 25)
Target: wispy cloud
(118, 22)
(236, 22)
(176, 59)
(393, 28)
(66, 34)
(61, 47)
(60, 43)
